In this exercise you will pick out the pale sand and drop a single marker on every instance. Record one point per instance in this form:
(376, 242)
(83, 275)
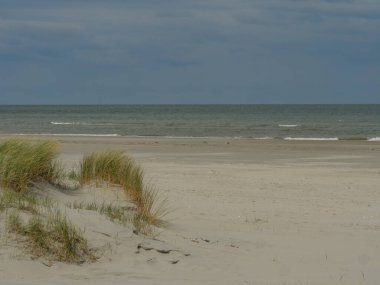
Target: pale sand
(247, 212)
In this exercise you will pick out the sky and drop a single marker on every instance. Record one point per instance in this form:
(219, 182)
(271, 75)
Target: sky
(190, 52)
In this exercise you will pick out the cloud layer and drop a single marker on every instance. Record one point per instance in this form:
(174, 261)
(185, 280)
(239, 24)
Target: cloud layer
(209, 51)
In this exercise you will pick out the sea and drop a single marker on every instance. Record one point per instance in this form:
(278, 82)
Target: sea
(284, 122)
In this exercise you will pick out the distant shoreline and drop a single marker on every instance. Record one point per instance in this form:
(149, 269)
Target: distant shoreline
(374, 139)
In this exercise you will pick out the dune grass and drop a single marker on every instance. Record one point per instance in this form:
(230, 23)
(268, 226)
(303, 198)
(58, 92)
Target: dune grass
(23, 162)
(107, 166)
(46, 233)
(22, 201)
(150, 209)
(54, 238)
(117, 168)
(113, 212)
(49, 234)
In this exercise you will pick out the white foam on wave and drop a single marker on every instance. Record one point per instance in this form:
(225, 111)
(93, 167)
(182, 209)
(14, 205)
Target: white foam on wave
(264, 138)
(288, 126)
(73, 135)
(310, 139)
(64, 123)
(377, 139)
(82, 123)
(195, 137)
(184, 137)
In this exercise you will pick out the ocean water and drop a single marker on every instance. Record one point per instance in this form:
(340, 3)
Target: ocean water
(302, 122)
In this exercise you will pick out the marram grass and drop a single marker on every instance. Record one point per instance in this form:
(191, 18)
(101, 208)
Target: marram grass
(23, 201)
(23, 162)
(49, 234)
(117, 168)
(112, 211)
(55, 238)
(107, 166)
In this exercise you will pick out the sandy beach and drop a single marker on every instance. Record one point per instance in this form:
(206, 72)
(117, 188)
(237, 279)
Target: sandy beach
(243, 212)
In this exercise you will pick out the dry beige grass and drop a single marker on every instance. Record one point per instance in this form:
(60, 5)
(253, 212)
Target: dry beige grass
(117, 168)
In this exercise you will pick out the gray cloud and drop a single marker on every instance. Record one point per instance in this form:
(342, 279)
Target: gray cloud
(211, 51)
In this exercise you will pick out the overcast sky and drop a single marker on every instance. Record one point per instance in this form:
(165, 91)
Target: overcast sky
(189, 51)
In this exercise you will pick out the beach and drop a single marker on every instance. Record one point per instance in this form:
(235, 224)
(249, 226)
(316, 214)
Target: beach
(243, 211)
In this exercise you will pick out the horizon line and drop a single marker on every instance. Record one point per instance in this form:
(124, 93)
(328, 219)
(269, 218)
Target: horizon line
(183, 104)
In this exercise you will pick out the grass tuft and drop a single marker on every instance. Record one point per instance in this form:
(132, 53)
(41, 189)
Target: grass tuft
(14, 222)
(149, 209)
(23, 162)
(117, 168)
(113, 212)
(22, 201)
(107, 166)
(73, 175)
(54, 238)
